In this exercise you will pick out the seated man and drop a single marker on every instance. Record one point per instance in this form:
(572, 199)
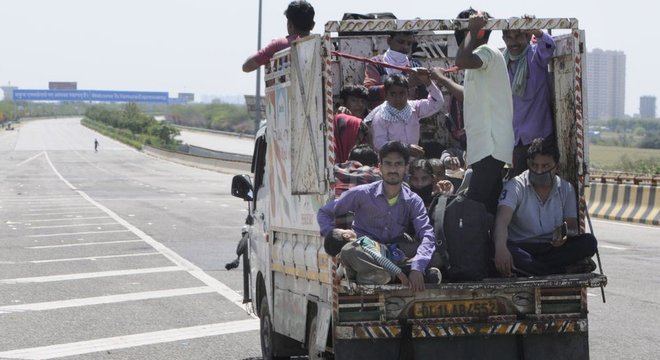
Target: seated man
(533, 208)
(383, 209)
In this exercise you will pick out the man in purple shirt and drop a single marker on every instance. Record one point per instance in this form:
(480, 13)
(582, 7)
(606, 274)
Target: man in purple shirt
(528, 72)
(300, 21)
(383, 210)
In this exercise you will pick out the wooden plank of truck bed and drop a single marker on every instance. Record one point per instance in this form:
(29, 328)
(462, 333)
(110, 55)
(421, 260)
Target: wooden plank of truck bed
(563, 280)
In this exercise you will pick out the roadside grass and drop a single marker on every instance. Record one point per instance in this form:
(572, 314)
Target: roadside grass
(629, 159)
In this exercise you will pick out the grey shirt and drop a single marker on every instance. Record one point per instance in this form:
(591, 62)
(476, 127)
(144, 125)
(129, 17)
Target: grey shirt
(533, 220)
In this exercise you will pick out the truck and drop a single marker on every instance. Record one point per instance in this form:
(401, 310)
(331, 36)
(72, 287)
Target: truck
(289, 279)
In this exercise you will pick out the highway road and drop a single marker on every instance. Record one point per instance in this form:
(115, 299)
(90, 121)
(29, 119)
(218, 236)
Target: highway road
(118, 255)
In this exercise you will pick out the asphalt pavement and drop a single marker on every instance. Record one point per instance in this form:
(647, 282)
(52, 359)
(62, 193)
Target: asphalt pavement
(117, 255)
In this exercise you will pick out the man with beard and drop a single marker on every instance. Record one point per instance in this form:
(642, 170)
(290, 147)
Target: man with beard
(527, 64)
(383, 209)
(536, 227)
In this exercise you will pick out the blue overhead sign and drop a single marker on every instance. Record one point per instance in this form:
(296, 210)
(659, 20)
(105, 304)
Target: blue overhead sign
(91, 95)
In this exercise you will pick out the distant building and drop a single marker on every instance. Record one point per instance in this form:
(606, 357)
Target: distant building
(606, 84)
(8, 92)
(647, 107)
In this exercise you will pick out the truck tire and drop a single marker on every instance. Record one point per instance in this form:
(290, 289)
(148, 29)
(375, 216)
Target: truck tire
(269, 339)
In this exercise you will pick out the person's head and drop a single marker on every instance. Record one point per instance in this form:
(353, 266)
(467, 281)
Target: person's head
(354, 97)
(396, 90)
(460, 35)
(438, 169)
(336, 239)
(401, 41)
(300, 17)
(542, 160)
(394, 158)
(421, 174)
(364, 154)
(516, 40)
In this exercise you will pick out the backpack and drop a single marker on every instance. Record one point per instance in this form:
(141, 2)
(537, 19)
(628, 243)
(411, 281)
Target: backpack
(462, 229)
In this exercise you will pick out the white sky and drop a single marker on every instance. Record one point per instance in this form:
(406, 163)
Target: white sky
(199, 45)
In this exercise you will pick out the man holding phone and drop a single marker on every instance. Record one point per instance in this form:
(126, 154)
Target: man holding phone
(536, 227)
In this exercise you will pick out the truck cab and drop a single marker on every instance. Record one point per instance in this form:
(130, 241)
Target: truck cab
(289, 277)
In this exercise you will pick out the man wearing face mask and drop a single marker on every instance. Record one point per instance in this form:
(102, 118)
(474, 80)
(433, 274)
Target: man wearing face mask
(536, 227)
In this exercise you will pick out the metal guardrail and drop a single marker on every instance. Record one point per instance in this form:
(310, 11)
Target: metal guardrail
(618, 177)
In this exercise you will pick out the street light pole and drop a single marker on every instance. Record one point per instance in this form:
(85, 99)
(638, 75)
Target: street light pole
(257, 101)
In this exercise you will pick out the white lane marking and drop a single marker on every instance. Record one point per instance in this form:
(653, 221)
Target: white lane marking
(34, 212)
(84, 244)
(55, 213)
(29, 159)
(70, 218)
(91, 275)
(70, 225)
(611, 247)
(591, 294)
(194, 270)
(126, 341)
(93, 258)
(78, 233)
(26, 201)
(109, 299)
(622, 223)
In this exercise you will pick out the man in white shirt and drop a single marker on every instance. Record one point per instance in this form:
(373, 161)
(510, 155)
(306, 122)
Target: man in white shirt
(488, 109)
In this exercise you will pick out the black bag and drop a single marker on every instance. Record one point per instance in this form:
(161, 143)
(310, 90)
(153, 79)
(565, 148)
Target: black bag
(462, 230)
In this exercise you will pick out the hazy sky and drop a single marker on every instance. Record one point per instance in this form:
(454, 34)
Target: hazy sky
(199, 45)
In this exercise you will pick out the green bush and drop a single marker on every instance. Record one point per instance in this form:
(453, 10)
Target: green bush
(131, 126)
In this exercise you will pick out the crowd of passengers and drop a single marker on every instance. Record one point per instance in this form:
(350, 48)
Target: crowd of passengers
(387, 175)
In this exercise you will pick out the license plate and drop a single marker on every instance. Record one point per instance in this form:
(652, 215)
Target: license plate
(479, 308)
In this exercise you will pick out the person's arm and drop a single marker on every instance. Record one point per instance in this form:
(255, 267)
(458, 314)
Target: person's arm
(337, 207)
(503, 259)
(545, 48)
(455, 89)
(465, 59)
(432, 104)
(423, 231)
(374, 82)
(250, 64)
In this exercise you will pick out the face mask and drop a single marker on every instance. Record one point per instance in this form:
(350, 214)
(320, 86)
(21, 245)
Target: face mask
(425, 192)
(544, 178)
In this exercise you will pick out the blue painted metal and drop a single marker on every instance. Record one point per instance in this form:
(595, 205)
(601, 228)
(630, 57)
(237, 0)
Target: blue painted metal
(91, 95)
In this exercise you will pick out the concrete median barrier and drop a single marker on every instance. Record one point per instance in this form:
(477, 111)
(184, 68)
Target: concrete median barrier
(226, 166)
(624, 202)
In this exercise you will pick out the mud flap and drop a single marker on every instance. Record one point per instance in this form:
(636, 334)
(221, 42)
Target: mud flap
(406, 350)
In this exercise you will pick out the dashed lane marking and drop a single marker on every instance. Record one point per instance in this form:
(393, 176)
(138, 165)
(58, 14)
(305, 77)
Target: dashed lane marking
(78, 233)
(109, 299)
(70, 225)
(127, 341)
(84, 244)
(93, 258)
(90, 275)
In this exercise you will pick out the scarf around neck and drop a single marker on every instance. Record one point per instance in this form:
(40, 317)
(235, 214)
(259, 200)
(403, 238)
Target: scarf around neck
(519, 83)
(392, 114)
(395, 58)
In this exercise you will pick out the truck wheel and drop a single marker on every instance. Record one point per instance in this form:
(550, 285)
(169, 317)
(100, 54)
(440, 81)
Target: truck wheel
(311, 340)
(268, 337)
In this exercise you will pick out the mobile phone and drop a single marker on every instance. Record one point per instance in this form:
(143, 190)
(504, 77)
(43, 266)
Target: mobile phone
(564, 229)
